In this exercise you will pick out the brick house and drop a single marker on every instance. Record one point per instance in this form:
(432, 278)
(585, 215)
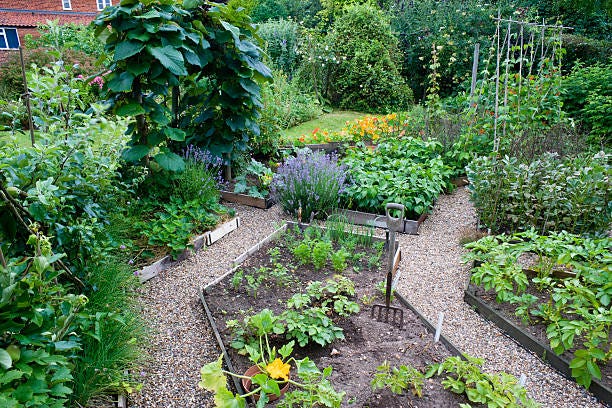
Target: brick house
(21, 17)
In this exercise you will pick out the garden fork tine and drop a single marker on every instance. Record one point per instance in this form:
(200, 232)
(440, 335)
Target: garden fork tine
(387, 313)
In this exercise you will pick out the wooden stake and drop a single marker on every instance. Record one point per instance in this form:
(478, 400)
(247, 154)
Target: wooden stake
(27, 97)
(474, 72)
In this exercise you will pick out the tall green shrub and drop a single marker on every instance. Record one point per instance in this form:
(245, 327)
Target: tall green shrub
(587, 96)
(365, 71)
(281, 38)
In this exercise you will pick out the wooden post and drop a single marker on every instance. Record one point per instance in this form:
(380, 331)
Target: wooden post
(498, 33)
(474, 71)
(27, 97)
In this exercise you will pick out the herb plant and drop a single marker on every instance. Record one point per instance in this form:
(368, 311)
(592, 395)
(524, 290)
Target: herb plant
(310, 183)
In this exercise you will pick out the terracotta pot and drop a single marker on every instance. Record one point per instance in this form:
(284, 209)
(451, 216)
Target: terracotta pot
(246, 384)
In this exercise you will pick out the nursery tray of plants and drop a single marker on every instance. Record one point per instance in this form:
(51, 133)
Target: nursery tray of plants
(533, 336)
(276, 272)
(410, 227)
(248, 200)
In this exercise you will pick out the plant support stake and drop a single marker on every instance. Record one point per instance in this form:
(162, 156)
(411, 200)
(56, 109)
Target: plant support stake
(27, 97)
(439, 327)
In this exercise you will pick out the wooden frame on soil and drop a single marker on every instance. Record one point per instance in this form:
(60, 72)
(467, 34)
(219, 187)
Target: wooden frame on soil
(208, 238)
(529, 342)
(238, 261)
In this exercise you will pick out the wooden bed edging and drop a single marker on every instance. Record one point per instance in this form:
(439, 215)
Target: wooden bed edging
(411, 227)
(263, 203)
(450, 346)
(209, 238)
(529, 342)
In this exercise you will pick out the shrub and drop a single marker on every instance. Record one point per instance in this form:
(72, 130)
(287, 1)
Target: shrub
(201, 177)
(368, 60)
(68, 186)
(10, 73)
(454, 26)
(311, 182)
(587, 96)
(407, 171)
(281, 39)
(550, 194)
(72, 36)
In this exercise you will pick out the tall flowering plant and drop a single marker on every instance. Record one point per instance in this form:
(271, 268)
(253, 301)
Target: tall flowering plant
(310, 183)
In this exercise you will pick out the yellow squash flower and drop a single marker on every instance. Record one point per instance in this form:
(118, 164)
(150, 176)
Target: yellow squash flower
(278, 370)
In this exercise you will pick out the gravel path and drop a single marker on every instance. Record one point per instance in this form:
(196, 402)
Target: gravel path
(433, 280)
(182, 341)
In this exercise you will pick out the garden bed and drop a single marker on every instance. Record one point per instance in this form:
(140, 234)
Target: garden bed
(379, 221)
(533, 337)
(209, 238)
(367, 343)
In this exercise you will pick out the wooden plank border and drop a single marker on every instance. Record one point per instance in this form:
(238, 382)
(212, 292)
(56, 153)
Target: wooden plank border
(411, 227)
(151, 271)
(529, 342)
(263, 203)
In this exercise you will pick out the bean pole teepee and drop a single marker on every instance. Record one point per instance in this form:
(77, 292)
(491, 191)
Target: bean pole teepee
(528, 59)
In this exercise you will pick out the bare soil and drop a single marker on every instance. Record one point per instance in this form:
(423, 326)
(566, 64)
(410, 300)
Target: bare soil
(368, 343)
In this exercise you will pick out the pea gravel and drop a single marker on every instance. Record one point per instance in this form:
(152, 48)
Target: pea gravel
(433, 280)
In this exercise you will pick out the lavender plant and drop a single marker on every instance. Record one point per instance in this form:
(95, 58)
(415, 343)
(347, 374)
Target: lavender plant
(202, 176)
(310, 181)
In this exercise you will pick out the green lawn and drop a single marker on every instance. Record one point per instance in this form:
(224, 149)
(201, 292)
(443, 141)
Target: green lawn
(331, 122)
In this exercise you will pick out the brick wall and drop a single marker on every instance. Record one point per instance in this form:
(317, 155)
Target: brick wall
(53, 5)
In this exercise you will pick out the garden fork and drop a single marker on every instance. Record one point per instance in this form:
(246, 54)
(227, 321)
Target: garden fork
(387, 313)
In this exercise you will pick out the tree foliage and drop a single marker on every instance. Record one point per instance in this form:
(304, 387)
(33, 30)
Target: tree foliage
(159, 47)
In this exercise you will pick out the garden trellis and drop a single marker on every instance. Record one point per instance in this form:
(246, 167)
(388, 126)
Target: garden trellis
(528, 58)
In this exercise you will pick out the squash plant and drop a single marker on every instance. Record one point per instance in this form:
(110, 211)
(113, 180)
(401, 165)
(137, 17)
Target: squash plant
(159, 46)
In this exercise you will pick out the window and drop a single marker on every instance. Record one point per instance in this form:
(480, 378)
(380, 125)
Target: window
(104, 3)
(66, 5)
(9, 40)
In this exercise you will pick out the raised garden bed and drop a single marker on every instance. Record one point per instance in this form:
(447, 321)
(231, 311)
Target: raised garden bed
(248, 200)
(551, 293)
(379, 221)
(367, 343)
(532, 338)
(209, 238)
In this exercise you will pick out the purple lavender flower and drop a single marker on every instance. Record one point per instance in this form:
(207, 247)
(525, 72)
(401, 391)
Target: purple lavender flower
(310, 180)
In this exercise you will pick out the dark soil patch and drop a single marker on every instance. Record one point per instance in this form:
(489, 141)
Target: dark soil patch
(536, 328)
(367, 343)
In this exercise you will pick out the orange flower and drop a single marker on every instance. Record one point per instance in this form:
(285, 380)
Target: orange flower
(314, 132)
